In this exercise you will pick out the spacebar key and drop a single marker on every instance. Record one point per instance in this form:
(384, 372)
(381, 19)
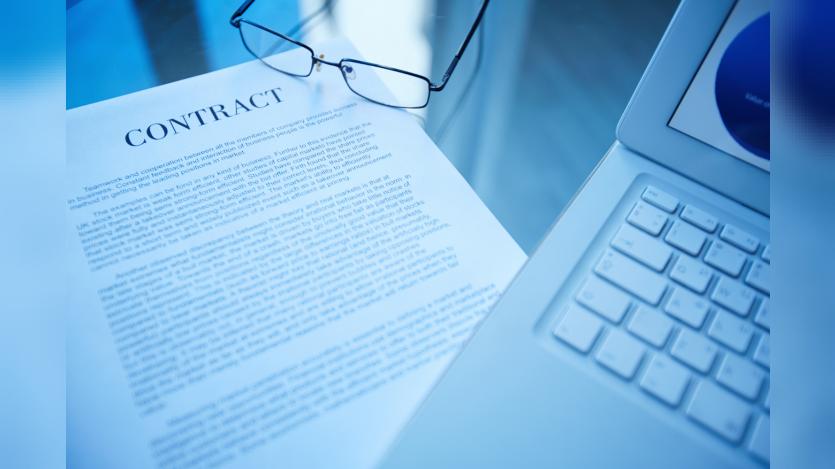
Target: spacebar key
(631, 276)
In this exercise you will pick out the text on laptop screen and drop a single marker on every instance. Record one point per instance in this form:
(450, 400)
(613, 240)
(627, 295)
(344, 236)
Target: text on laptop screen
(727, 104)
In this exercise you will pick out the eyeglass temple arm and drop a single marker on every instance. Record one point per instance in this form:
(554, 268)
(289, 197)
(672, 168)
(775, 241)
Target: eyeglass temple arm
(440, 86)
(235, 19)
(240, 12)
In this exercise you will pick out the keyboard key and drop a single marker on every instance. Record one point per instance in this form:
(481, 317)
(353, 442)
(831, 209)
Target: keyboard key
(620, 353)
(740, 239)
(731, 331)
(740, 376)
(760, 444)
(719, 411)
(759, 276)
(762, 354)
(687, 307)
(692, 349)
(660, 199)
(733, 295)
(645, 249)
(767, 401)
(651, 326)
(766, 255)
(665, 379)
(631, 276)
(578, 328)
(726, 258)
(700, 218)
(761, 317)
(691, 273)
(604, 299)
(647, 218)
(686, 238)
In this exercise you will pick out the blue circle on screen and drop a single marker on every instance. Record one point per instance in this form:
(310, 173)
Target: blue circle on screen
(742, 88)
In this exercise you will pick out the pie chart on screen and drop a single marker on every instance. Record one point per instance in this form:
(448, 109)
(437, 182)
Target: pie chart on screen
(742, 88)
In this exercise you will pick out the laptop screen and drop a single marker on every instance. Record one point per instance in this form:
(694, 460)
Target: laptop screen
(727, 103)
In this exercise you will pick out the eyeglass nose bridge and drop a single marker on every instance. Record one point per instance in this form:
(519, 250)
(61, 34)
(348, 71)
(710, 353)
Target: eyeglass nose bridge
(320, 59)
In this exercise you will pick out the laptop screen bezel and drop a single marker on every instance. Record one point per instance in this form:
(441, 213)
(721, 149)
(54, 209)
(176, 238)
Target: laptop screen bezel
(644, 125)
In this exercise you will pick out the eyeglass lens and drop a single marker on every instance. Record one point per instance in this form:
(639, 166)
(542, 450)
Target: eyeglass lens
(400, 90)
(275, 51)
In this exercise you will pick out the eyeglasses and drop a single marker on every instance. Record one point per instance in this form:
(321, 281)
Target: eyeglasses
(283, 53)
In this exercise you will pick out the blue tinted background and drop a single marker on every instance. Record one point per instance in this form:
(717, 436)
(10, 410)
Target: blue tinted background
(803, 230)
(32, 390)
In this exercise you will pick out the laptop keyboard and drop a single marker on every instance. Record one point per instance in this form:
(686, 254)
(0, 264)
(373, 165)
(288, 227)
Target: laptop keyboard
(678, 303)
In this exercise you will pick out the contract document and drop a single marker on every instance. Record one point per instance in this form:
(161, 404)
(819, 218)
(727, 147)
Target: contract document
(267, 271)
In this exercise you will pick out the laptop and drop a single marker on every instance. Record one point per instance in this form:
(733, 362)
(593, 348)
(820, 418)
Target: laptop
(637, 335)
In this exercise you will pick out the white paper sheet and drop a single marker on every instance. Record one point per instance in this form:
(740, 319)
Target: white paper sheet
(276, 283)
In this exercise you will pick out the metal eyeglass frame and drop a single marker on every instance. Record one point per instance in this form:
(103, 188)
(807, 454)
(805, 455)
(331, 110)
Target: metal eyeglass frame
(237, 19)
